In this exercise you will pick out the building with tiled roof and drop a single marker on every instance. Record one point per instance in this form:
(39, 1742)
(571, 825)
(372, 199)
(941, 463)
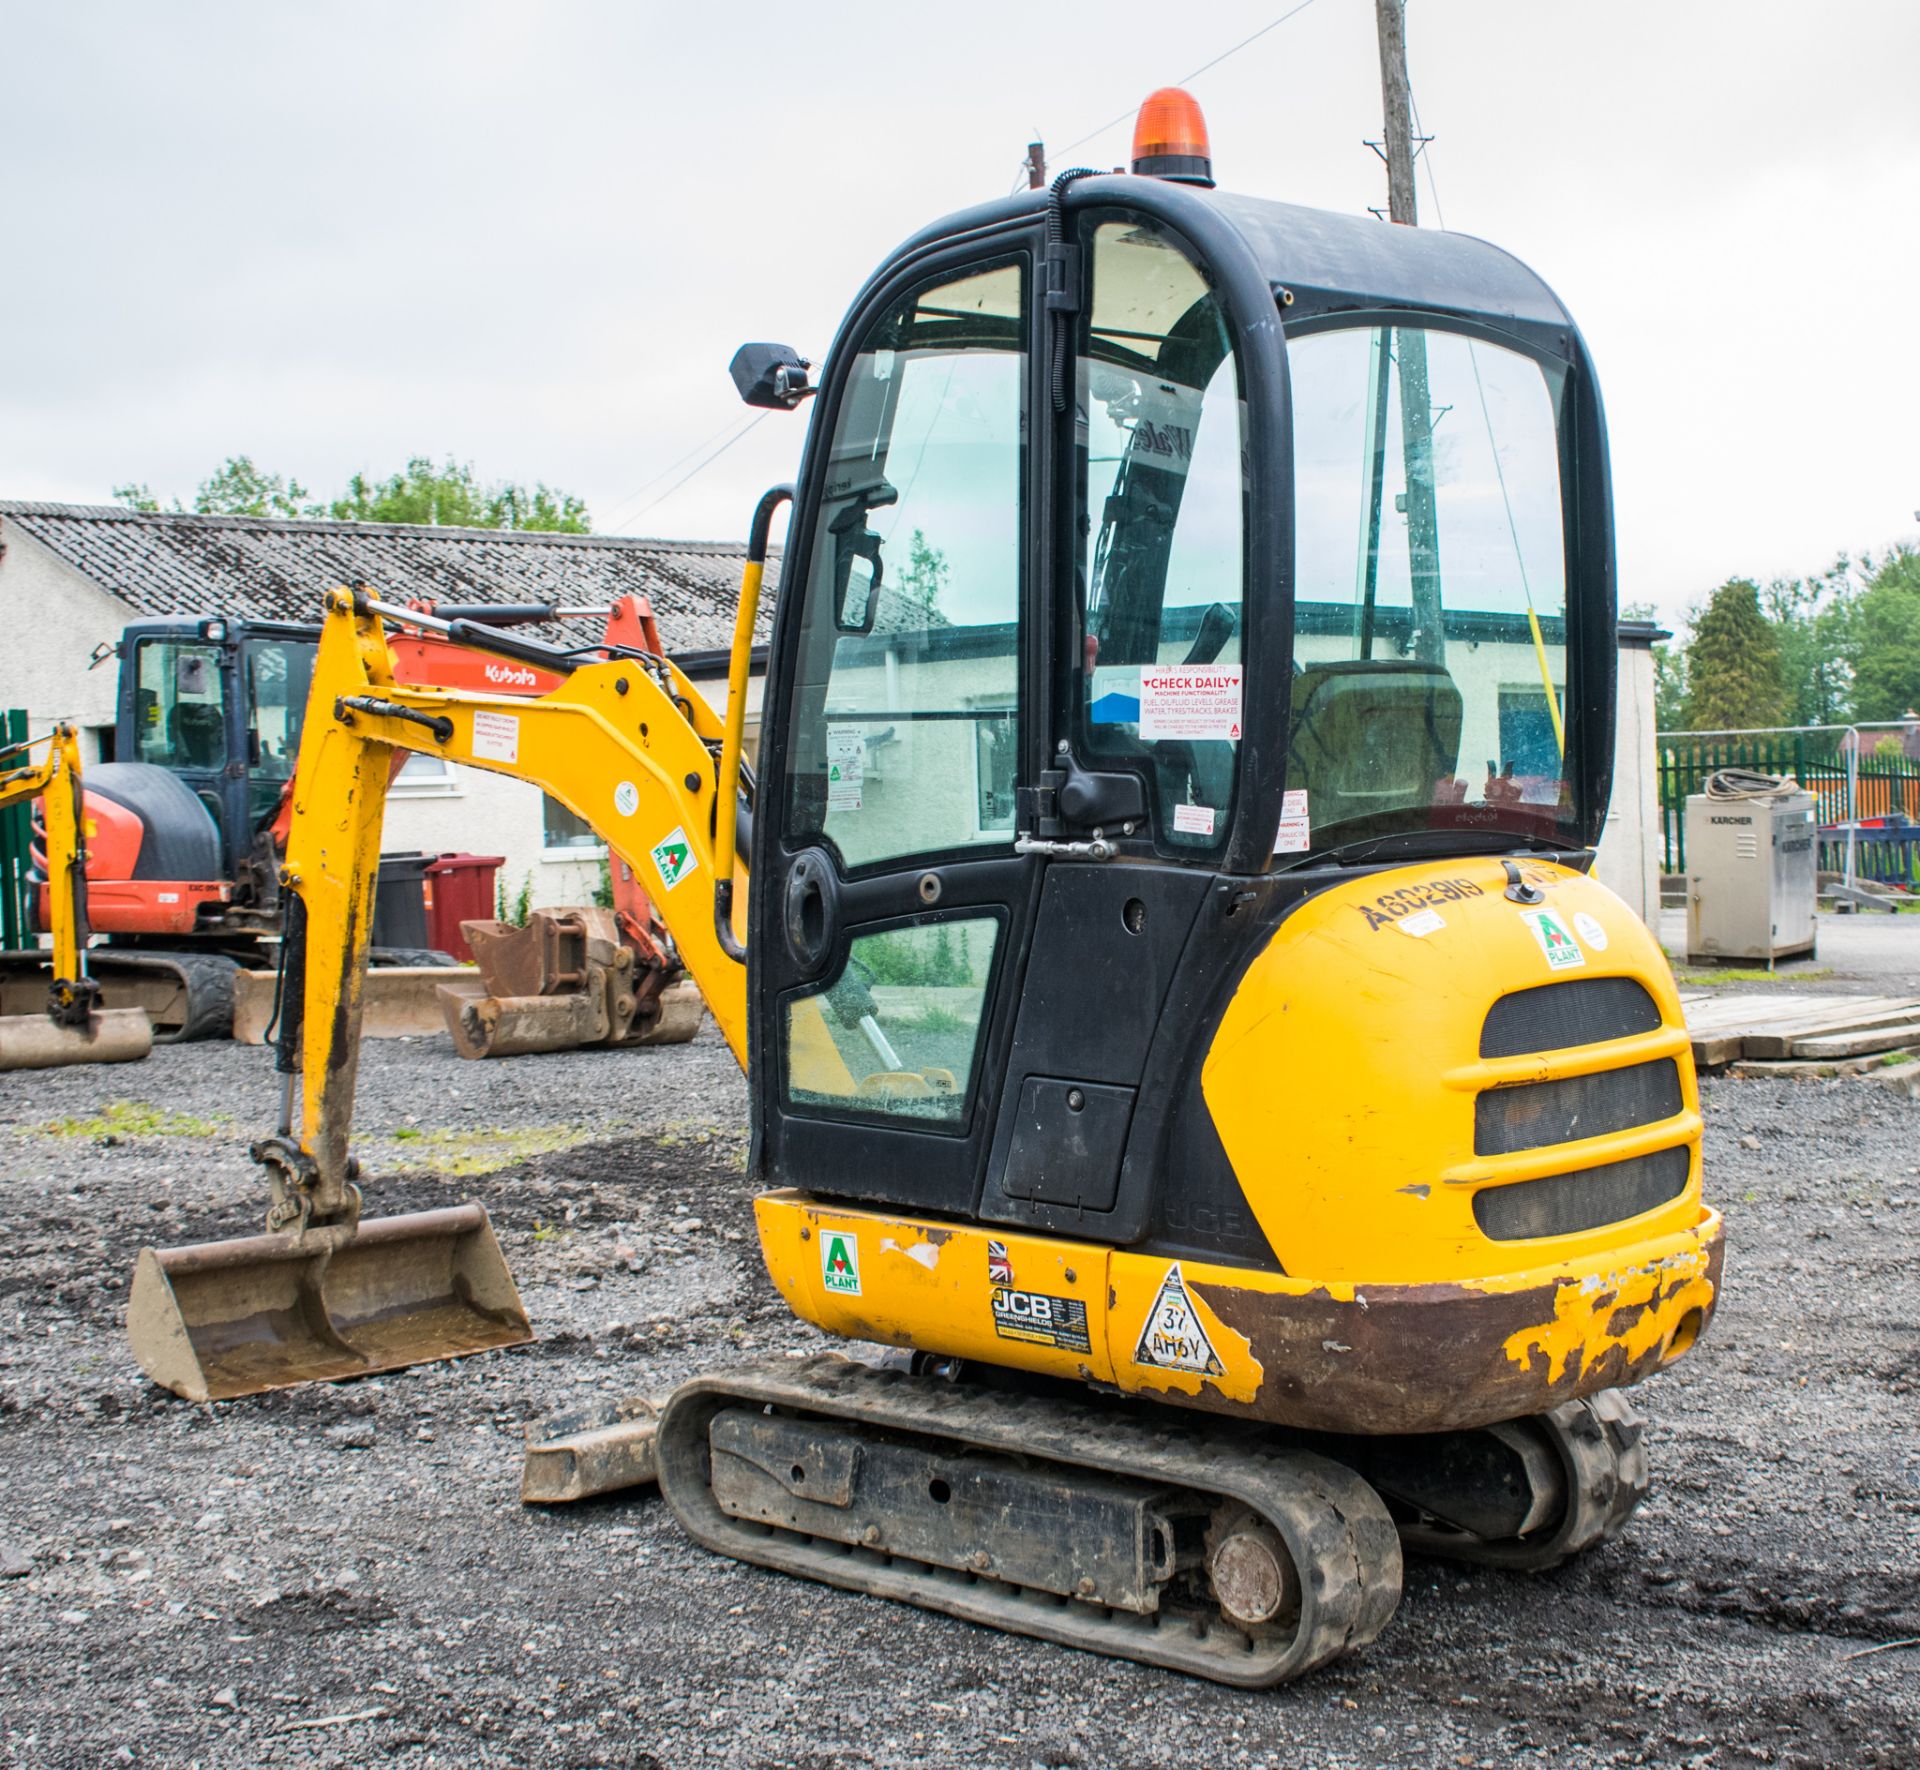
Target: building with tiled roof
(73, 575)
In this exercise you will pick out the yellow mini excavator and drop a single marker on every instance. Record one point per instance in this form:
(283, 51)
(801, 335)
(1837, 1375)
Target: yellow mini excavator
(74, 1028)
(1176, 1004)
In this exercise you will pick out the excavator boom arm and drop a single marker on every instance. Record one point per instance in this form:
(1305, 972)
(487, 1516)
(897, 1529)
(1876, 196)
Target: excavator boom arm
(55, 781)
(625, 744)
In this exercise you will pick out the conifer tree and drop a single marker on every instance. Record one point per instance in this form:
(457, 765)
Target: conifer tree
(1734, 679)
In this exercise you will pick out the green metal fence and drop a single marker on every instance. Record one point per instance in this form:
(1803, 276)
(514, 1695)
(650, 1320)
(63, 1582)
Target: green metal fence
(1882, 785)
(16, 831)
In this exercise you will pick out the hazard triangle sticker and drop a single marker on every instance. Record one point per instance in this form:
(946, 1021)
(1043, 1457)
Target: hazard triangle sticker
(1173, 1338)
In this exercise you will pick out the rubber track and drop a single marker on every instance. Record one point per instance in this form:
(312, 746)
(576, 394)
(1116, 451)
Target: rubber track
(1601, 1444)
(1335, 1526)
(207, 978)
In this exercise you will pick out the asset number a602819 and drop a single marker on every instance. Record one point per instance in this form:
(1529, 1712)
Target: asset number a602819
(1390, 906)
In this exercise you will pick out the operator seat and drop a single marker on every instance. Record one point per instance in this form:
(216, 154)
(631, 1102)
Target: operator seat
(1372, 735)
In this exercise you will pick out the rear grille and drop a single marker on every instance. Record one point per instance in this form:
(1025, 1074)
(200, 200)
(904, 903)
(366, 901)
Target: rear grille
(1535, 1114)
(1558, 1016)
(1567, 1204)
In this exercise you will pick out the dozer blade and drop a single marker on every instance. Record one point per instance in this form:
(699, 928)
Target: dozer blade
(228, 1318)
(115, 1035)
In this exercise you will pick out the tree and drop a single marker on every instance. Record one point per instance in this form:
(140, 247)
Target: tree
(1885, 637)
(926, 573)
(1812, 620)
(452, 497)
(1734, 680)
(240, 488)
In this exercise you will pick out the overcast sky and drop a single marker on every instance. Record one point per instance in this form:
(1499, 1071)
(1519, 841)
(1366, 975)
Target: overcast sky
(333, 235)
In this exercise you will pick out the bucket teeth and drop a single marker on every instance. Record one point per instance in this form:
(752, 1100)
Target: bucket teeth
(221, 1319)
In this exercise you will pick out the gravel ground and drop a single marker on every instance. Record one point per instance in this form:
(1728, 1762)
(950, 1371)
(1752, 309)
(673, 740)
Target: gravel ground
(343, 1576)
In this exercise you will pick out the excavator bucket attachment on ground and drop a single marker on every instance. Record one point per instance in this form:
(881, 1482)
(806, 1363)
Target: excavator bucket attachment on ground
(227, 1318)
(33, 1041)
(570, 977)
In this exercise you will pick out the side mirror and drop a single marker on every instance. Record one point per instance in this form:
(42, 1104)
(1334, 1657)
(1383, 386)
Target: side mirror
(770, 375)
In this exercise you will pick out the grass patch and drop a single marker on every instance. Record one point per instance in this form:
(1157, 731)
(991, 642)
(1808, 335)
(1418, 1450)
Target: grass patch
(138, 1118)
(1748, 974)
(485, 1150)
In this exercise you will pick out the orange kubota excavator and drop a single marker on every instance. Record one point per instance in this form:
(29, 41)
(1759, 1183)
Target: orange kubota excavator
(186, 834)
(1269, 1144)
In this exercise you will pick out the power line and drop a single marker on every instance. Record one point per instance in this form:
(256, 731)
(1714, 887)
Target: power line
(751, 424)
(640, 491)
(1204, 67)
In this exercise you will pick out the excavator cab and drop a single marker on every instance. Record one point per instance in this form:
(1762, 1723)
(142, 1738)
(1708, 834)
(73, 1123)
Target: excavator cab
(1206, 552)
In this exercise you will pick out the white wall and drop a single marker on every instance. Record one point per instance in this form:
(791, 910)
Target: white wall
(51, 618)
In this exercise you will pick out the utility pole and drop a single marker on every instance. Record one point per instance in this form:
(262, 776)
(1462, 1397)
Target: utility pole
(1428, 639)
(1035, 165)
(1390, 18)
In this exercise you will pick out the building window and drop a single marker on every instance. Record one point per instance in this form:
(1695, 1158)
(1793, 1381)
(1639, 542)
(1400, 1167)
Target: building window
(426, 777)
(563, 833)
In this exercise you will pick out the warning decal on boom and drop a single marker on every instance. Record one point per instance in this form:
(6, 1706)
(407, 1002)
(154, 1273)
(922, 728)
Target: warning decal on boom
(1173, 1338)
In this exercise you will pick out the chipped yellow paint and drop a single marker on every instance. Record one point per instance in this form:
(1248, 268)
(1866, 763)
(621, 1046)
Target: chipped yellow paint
(1633, 1309)
(943, 1304)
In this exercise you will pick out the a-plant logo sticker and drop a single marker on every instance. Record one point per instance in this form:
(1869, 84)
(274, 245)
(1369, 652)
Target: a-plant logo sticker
(840, 1262)
(1562, 950)
(673, 857)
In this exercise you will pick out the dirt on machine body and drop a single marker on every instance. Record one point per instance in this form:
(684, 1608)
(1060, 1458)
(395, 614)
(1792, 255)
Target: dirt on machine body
(1182, 1020)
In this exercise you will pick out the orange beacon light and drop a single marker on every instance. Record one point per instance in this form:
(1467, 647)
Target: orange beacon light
(1170, 139)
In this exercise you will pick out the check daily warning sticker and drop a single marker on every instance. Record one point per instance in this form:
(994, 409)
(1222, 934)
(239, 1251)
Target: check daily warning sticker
(1183, 701)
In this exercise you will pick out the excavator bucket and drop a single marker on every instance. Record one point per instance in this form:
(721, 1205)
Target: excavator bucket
(569, 977)
(113, 1035)
(227, 1318)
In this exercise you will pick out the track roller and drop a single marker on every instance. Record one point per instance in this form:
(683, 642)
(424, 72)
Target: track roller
(1091, 1526)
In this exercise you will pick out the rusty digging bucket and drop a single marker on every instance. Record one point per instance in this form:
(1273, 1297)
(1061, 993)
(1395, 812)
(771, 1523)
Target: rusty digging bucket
(569, 977)
(112, 1035)
(226, 1318)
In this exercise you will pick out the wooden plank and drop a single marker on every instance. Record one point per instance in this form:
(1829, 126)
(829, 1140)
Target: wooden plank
(1855, 1066)
(1900, 1036)
(1749, 1010)
(1781, 1039)
(1716, 1051)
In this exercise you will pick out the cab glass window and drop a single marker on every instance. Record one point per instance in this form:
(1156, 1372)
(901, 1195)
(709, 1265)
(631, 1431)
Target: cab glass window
(279, 672)
(1162, 498)
(179, 705)
(1429, 652)
(904, 723)
(896, 1034)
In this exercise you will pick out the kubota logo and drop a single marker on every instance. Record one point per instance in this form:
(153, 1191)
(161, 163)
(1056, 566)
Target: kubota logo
(511, 675)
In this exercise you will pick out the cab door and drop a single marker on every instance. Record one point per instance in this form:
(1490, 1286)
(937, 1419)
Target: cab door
(891, 913)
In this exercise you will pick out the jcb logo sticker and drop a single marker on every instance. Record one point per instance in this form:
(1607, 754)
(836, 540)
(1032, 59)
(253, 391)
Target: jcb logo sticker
(1041, 1320)
(840, 1263)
